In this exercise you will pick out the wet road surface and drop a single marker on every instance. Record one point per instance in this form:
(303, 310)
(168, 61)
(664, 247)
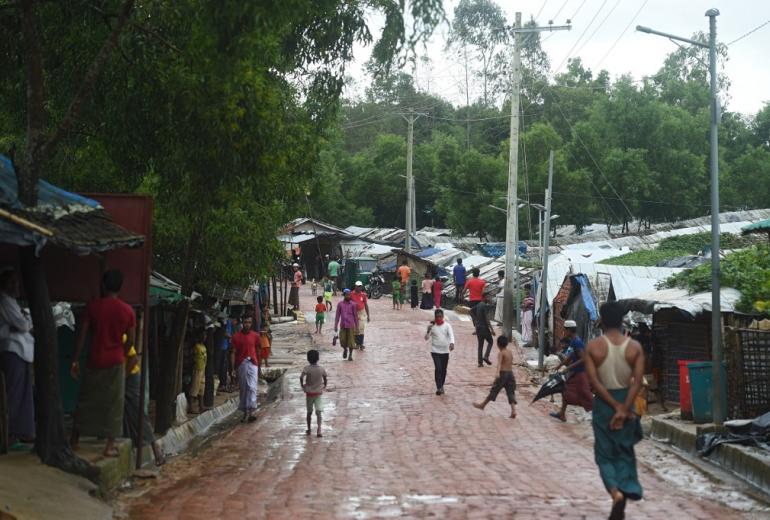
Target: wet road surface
(392, 448)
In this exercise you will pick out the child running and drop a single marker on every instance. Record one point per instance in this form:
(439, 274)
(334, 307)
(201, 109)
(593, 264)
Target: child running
(320, 314)
(503, 378)
(313, 381)
(328, 290)
(397, 301)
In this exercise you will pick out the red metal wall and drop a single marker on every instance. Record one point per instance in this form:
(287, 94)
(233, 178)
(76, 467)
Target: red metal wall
(76, 278)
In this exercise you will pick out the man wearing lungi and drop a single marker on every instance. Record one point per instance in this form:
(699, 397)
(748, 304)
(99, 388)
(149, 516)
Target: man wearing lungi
(245, 353)
(99, 410)
(615, 367)
(17, 351)
(578, 389)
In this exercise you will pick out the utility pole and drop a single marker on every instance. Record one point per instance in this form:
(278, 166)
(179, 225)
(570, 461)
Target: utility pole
(410, 117)
(544, 272)
(719, 409)
(511, 288)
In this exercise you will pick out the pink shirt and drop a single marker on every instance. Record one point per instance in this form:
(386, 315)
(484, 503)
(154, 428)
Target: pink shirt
(297, 278)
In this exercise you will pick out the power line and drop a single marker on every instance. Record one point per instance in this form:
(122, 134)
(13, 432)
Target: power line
(541, 9)
(598, 168)
(755, 29)
(560, 10)
(598, 27)
(615, 43)
(578, 10)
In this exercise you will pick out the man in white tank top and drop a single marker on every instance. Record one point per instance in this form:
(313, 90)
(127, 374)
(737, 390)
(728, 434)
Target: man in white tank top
(615, 367)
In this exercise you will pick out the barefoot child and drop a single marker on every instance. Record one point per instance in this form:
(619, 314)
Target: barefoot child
(397, 301)
(328, 290)
(198, 380)
(504, 377)
(313, 381)
(320, 314)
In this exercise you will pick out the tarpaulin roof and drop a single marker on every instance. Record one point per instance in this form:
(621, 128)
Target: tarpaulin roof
(63, 218)
(692, 304)
(762, 226)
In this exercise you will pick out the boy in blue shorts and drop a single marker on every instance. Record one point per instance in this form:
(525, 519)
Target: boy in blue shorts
(313, 381)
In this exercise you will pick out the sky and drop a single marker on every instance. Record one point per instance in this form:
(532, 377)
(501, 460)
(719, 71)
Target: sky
(596, 27)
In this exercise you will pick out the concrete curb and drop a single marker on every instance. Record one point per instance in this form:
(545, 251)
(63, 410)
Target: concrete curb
(179, 437)
(749, 464)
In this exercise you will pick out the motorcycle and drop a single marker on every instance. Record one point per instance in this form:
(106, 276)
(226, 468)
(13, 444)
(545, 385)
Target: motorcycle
(374, 286)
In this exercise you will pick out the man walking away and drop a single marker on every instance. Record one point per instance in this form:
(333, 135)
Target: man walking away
(17, 352)
(503, 378)
(245, 357)
(222, 354)
(346, 317)
(313, 381)
(484, 330)
(102, 393)
(527, 311)
(475, 287)
(615, 366)
(333, 269)
(442, 342)
(458, 275)
(578, 388)
(358, 296)
(295, 285)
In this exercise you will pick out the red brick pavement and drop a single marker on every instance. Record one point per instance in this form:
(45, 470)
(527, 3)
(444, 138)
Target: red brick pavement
(394, 449)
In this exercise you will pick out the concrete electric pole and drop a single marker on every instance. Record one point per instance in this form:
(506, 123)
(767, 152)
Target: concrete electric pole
(410, 117)
(544, 275)
(511, 296)
(719, 408)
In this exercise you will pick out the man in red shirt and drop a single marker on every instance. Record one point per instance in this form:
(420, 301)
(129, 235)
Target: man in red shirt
(100, 400)
(295, 285)
(245, 359)
(475, 287)
(358, 296)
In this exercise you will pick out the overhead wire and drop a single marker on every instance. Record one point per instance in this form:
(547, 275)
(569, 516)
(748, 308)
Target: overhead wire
(625, 30)
(617, 3)
(749, 33)
(541, 9)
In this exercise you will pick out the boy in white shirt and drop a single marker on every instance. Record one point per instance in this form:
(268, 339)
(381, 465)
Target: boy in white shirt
(442, 339)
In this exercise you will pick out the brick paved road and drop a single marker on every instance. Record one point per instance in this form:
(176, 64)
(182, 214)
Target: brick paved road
(394, 449)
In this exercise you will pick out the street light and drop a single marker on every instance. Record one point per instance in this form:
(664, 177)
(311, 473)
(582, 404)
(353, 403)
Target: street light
(719, 406)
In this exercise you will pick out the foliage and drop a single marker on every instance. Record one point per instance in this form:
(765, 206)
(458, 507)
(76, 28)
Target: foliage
(677, 246)
(747, 270)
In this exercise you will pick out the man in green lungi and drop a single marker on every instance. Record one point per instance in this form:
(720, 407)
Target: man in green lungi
(99, 410)
(615, 366)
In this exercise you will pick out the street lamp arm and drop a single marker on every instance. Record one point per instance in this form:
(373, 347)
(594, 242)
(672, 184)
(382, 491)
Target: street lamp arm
(647, 30)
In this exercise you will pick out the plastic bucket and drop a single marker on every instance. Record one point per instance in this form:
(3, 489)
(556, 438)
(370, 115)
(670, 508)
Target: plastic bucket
(685, 399)
(702, 393)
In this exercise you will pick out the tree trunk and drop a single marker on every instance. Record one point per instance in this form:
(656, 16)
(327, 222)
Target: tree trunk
(171, 355)
(51, 442)
(191, 256)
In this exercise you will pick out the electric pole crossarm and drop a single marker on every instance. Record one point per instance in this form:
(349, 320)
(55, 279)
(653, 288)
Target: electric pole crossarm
(549, 28)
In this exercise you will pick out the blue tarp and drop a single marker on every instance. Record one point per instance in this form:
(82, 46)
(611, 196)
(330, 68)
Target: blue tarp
(585, 293)
(48, 194)
(497, 249)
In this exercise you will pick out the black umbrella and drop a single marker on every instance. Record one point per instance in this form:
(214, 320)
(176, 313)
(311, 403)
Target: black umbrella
(554, 385)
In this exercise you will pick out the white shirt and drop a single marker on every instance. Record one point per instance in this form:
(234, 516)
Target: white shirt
(441, 336)
(20, 340)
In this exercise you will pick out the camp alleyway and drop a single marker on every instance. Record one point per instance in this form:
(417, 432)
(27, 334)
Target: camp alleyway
(392, 448)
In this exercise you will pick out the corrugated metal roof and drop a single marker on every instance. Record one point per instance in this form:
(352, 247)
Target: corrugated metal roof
(66, 219)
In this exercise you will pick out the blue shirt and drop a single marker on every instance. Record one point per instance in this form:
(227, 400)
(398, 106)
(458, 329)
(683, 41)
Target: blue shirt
(575, 353)
(229, 331)
(459, 274)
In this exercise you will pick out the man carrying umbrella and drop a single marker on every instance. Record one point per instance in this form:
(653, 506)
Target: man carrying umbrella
(578, 388)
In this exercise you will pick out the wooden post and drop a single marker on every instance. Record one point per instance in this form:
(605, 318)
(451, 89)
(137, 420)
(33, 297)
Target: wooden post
(275, 298)
(140, 350)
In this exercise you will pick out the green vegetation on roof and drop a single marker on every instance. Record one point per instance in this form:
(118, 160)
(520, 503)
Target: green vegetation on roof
(675, 247)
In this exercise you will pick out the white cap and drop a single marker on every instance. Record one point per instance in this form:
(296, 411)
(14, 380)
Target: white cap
(570, 324)
(295, 265)
(359, 283)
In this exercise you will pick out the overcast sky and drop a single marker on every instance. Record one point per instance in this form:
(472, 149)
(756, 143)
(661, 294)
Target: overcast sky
(601, 22)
